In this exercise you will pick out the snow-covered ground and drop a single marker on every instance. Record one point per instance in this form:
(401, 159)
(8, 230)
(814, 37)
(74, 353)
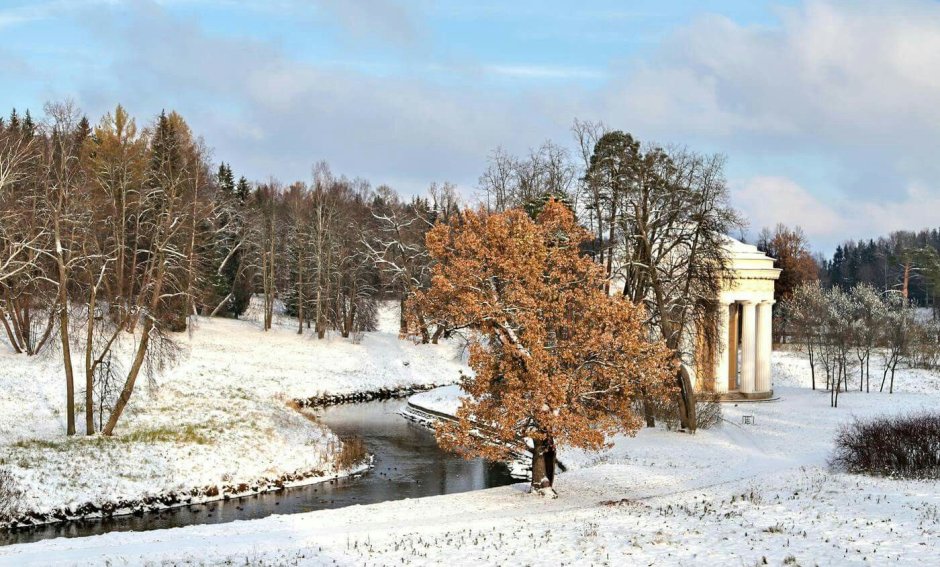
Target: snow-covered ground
(225, 399)
(734, 495)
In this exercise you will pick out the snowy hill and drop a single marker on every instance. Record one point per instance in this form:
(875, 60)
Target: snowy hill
(227, 397)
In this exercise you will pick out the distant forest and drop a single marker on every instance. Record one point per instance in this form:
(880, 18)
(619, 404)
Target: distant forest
(904, 261)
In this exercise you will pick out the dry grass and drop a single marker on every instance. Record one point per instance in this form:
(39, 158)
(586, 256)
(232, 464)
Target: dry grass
(188, 434)
(352, 453)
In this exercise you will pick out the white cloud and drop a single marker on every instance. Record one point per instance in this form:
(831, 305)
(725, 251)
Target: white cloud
(269, 114)
(545, 72)
(854, 82)
(853, 85)
(767, 201)
(32, 11)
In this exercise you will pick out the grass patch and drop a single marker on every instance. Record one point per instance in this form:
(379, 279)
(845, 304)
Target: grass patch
(186, 434)
(190, 434)
(42, 444)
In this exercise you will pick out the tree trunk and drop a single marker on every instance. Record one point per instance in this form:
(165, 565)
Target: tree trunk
(543, 463)
(648, 412)
(345, 316)
(402, 320)
(89, 367)
(300, 297)
(128, 388)
(13, 341)
(63, 301)
(812, 366)
(423, 326)
(884, 375)
(907, 280)
(687, 416)
(609, 269)
(222, 304)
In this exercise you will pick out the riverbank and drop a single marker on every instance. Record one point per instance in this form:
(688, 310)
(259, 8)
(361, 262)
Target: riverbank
(739, 494)
(234, 392)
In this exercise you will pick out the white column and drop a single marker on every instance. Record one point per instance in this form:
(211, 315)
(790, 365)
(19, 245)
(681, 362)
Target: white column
(748, 347)
(764, 346)
(724, 349)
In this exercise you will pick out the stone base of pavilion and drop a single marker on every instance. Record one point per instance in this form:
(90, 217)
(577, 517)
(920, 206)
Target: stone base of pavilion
(735, 396)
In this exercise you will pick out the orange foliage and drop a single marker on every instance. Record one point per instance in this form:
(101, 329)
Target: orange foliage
(791, 250)
(555, 359)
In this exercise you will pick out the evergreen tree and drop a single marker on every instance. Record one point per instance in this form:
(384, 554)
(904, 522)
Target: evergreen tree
(242, 190)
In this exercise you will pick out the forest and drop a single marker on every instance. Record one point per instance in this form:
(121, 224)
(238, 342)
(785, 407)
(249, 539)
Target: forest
(114, 235)
(905, 261)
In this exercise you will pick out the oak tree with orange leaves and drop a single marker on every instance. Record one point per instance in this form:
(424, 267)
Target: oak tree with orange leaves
(556, 360)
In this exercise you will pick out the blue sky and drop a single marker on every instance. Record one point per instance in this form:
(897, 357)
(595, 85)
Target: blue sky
(828, 111)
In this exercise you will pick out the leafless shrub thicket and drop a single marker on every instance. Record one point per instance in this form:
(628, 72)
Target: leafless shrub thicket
(901, 446)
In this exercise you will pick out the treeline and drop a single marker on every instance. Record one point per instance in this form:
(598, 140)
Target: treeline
(904, 261)
(112, 236)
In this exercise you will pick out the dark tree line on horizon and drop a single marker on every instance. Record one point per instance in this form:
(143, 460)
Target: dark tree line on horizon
(905, 262)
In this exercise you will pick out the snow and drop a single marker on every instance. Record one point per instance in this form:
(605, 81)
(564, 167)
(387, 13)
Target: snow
(445, 399)
(226, 398)
(732, 495)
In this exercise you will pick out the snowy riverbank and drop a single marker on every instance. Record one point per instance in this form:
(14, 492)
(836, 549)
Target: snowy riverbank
(186, 440)
(737, 494)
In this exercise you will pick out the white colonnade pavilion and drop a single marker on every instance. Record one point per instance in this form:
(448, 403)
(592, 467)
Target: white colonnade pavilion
(742, 361)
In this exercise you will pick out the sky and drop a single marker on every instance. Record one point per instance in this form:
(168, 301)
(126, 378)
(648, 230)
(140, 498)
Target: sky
(828, 111)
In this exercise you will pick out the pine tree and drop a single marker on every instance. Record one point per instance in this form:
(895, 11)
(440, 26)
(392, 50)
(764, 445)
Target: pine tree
(29, 127)
(242, 190)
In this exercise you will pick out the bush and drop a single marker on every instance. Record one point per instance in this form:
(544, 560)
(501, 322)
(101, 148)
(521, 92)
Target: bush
(707, 411)
(902, 446)
(11, 497)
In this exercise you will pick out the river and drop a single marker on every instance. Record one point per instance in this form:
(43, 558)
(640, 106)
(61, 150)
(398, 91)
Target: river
(408, 464)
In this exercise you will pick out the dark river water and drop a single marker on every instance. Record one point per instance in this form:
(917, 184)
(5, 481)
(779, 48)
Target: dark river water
(408, 464)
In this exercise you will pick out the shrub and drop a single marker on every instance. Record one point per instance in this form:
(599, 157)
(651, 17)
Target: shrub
(903, 446)
(708, 409)
(666, 412)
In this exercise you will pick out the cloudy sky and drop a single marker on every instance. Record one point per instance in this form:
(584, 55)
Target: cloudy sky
(828, 111)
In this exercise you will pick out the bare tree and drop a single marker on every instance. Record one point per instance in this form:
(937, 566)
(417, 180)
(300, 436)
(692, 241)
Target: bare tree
(164, 263)
(69, 220)
(588, 195)
(397, 247)
(511, 182)
(670, 209)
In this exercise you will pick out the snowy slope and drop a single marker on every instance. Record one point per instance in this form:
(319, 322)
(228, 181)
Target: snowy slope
(226, 398)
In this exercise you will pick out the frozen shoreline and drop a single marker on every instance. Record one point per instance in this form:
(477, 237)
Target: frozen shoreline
(234, 392)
